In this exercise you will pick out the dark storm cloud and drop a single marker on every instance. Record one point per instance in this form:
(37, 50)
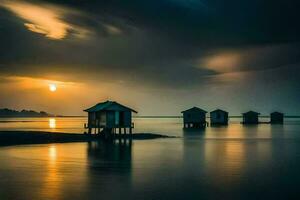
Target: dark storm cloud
(212, 22)
(162, 42)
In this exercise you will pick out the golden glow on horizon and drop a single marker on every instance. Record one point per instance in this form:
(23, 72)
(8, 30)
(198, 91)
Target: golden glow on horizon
(52, 123)
(52, 87)
(70, 98)
(44, 19)
(29, 83)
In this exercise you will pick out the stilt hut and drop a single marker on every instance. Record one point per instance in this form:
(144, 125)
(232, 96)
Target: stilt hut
(109, 117)
(277, 118)
(194, 118)
(250, 117)
(218, 117)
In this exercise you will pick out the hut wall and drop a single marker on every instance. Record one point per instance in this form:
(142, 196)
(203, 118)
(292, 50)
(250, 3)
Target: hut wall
(110, 119)
(193, 117)
(91, 118)
(219, 118)
(251, 119)
(127, 118)
(118, 118)
(276, 118)
(102, 118)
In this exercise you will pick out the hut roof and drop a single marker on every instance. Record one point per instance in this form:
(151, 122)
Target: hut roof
(251, 112)
(219, 110)
(277, 113)
(107, 105)
(194, 109)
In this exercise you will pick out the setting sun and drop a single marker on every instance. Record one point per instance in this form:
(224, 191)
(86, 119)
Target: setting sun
(52, 87)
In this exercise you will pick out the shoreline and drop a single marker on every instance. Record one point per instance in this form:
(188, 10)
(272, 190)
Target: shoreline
(11, 138)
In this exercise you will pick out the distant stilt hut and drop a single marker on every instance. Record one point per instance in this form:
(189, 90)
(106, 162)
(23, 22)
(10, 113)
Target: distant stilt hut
(194, 118)
(250, 117)
(109, 117)
(218, 117)
(277, 118)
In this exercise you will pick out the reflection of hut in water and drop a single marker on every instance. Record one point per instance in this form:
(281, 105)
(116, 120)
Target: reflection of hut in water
(109, 168)
(193, 132)
(109, 116)
(194, 118)
(113, 153)
(250, 117)
(277, 118)
(218, 117)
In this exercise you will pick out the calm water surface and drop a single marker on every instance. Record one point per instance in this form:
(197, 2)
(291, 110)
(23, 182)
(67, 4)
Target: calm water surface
(234, 162)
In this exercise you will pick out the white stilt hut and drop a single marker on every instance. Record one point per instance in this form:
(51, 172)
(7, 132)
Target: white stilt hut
(109, 116)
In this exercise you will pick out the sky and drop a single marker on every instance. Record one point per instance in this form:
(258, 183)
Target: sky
(157, 56)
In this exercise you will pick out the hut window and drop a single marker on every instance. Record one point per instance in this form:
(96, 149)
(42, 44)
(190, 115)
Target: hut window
(188, 115)
(218, 115)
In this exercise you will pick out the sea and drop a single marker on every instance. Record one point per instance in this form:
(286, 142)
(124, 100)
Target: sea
(228, 162)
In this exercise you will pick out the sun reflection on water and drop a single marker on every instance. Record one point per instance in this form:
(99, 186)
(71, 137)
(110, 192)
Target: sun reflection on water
(234, 157)
(52, 123)
(52, 153)
(51, 187)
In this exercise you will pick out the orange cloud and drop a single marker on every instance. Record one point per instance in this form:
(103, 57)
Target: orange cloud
(44, 19)
(223, 62)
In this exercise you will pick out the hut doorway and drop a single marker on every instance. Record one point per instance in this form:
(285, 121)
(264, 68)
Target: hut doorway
(121, 119)
(117, 118)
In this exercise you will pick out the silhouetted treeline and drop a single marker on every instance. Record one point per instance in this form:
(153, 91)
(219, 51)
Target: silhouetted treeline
(5, 112)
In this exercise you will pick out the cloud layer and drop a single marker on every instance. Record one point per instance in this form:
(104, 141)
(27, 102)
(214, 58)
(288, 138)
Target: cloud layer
(165, 45)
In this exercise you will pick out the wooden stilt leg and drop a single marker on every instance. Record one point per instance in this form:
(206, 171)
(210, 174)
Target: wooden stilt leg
(120, 132)
(130, 142)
